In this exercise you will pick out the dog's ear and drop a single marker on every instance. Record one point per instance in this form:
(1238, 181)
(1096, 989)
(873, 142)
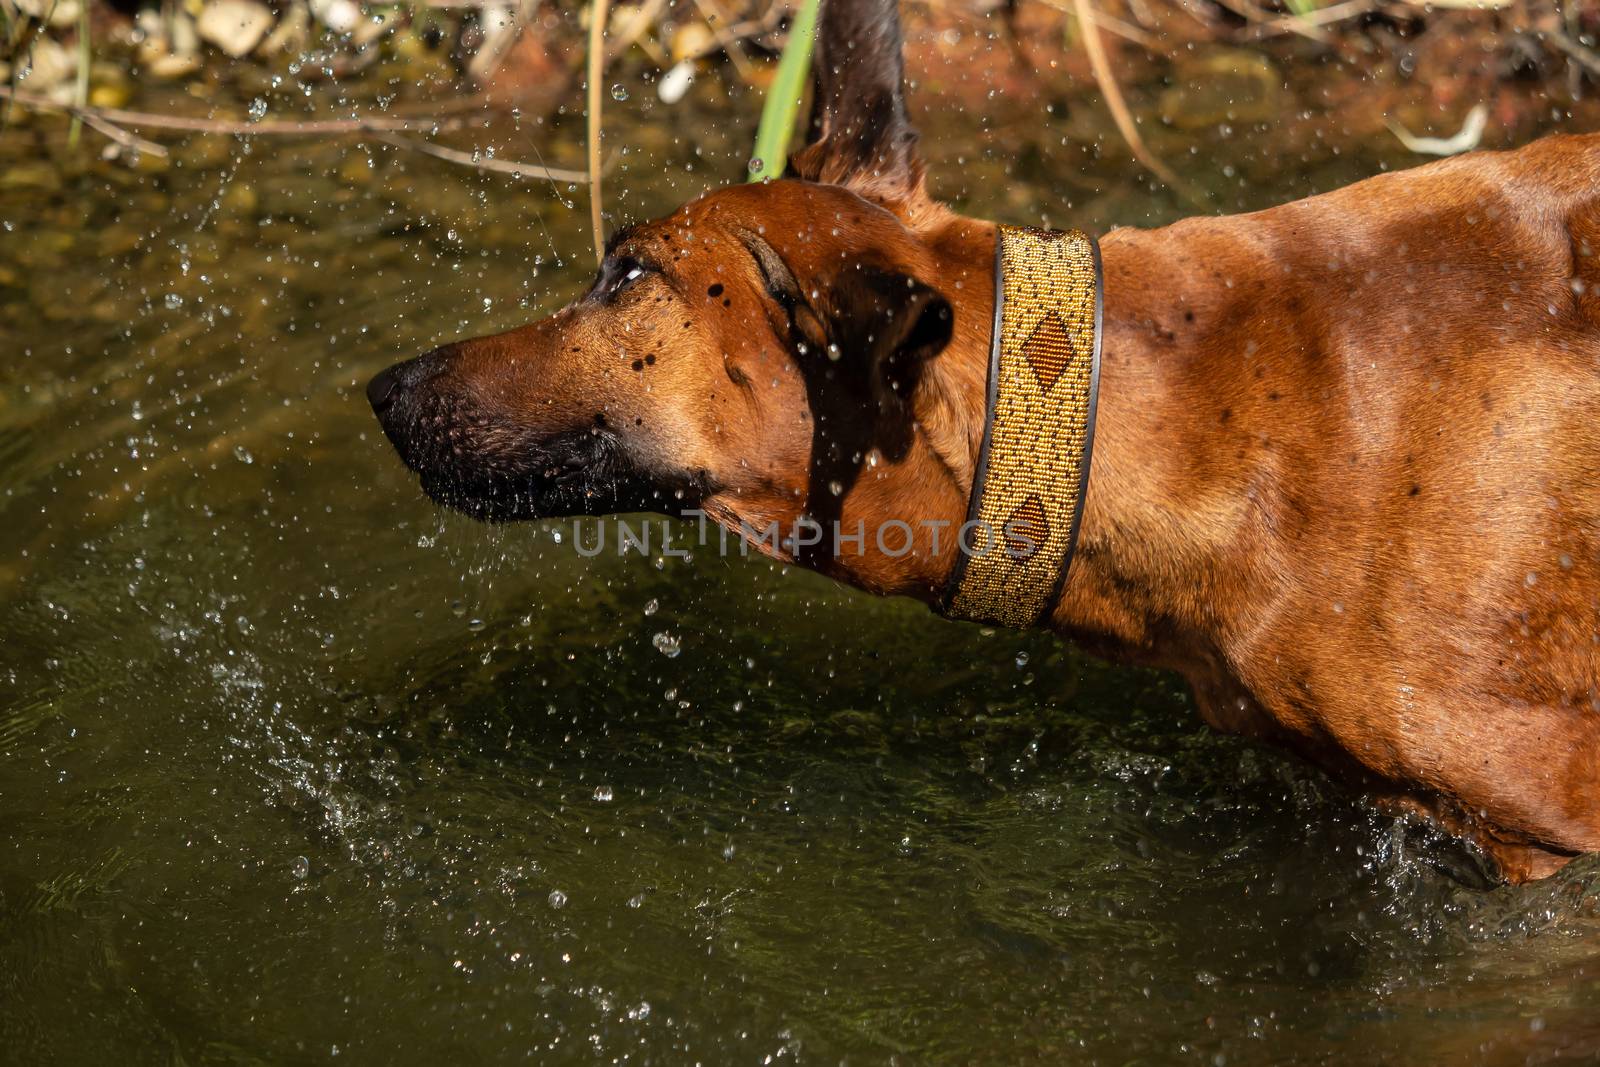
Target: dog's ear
(859, 135)
(891, 325)
(864, 335)
(883, 326)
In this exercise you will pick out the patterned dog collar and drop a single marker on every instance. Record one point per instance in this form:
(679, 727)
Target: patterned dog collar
(1033, 467)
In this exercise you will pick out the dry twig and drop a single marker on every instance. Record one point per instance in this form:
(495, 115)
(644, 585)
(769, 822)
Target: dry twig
(643, 18)
(484, 162)
(1580, 55)
(597, 69)
(130, 141)
(107, 119)
(1119, 107)
(267, 127)
(1311, 25)
(1127, 31)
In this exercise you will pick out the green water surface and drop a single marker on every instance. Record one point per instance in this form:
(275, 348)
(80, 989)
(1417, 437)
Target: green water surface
(293, 766)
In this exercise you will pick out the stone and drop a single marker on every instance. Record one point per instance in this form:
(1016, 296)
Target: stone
(691, 41)
(170, 67)
(239, 201)
(56, 13)
(204, 152)
(117, 240)
(1224, 85)
(356, 168)
(234, 26)
(185, 37)
(340, 16)
(48, 65)
(111, 94)
(36, 176)
(290, 33)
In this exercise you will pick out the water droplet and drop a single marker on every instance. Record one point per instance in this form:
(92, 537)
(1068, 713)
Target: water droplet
(174, 301)
(666, 644)
(636, 901)
(652, 607)
(475, 625)
(258, 108)
(603, 793)
(299, 866)
(836, 488)
(558, 899)
(1022, 660)
(619, 92)
(757, 165)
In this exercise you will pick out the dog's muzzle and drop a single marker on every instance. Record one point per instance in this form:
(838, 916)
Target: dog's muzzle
(489, 464)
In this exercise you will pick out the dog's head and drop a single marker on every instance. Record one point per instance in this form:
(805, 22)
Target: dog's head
(769, 351)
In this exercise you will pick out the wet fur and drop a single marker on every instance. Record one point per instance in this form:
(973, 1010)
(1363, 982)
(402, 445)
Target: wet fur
(1345, 469)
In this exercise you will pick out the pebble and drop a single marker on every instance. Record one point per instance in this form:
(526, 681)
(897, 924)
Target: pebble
(170, 67)
(117, 240)
(49, 64)
(235, 26)
(205, 152)
(340, 16)
(290, 33)
(356, 168)
(59, 13)
(692, 40)
(185, 36)
(112, 94)
(1223, 85)
(35, 176)
(239, 200)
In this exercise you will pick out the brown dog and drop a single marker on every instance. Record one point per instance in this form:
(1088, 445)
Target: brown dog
(1346, 475)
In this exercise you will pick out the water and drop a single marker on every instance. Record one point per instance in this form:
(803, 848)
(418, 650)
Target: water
(294, 765)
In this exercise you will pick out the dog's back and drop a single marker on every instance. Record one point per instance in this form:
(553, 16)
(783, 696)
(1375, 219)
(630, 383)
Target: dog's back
(1393, 393)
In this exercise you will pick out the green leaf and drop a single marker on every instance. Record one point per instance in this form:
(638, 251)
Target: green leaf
(783, 98)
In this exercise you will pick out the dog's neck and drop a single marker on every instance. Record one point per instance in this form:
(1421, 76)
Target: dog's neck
(1152, 527)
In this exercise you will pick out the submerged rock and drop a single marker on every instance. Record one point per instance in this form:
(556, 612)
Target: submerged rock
(33, 175)
(169, 67)
(47, 65)
(1224, 85)
(185, 36)
(56, 13)
(290, 34)
(109, 86)
(235, 26)
(340, 16)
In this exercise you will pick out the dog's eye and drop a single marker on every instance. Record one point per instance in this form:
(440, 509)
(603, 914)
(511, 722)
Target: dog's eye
(618, 278)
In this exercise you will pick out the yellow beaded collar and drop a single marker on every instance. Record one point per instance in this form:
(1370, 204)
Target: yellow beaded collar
(1033, 468)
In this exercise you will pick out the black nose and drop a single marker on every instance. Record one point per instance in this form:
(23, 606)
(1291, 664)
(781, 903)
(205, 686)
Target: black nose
(380, 391)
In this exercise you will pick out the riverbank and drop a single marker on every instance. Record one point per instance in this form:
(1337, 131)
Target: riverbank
(1207, 69)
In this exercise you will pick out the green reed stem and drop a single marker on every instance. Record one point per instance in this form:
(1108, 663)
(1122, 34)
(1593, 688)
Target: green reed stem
(783, 98)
